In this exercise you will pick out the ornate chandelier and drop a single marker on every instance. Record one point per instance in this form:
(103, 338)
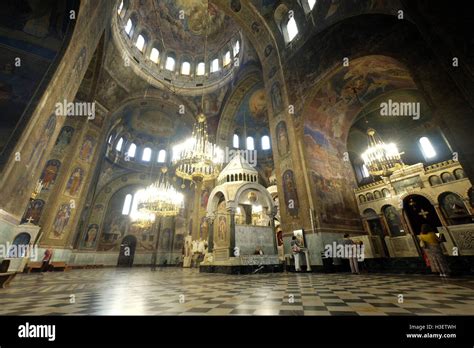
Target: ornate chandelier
(160, 199)
(381, 159)
(198, 159)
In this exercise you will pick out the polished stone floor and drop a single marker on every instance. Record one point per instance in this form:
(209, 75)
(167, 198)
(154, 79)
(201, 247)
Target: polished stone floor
(173, 291)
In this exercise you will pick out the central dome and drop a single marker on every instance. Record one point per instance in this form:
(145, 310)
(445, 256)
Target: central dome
(189, 45)
(183, 25)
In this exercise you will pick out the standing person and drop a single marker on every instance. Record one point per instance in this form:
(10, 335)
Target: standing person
(296, 250)
(48, 254)
(430, 243)
(351, 254)
(360, 257)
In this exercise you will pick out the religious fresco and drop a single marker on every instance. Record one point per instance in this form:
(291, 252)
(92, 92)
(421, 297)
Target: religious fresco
(252, 111)
(204, 197)
(335, 200)
(50, 173)
(221, 229)
(282, 139)
(90, 238)
(454, 210)
(393, 220)
(75, 181)
(63, 140)
(40, 146)
(328, 120)
(258, 104)
(188, 34)
(108, 173)
(203, 228)
(277, 101)
(87, 148)
(61, 221)
(33, 212)
(113, 230)
(146, 237)
(290, 194)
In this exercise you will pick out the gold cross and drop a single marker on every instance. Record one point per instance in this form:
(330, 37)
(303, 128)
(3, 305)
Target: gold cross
(423, 213)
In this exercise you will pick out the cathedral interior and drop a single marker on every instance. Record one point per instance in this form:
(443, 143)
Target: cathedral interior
(226, 157)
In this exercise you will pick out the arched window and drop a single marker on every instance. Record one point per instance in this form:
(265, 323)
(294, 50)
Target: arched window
(310, 4)
(128, 27)
(459, 174)
(215, 65)
(290, 29)
(427, 148)
(146, 156)
(120, 8)
(136, 198)
(235, 141)
(236, 48)
(365, 171)
(447, 177)
(154, 55)
(162, 156)
(200, 69)
(127, 203)
(265, 142)
(226, 60)
(140, 43)
(119, 145)
(185, 68)
(19, 245)
(170, 63)
(132, 149)
(110, 139)
(250, 143)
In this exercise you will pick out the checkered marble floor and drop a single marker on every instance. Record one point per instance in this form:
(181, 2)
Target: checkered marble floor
(174, 291)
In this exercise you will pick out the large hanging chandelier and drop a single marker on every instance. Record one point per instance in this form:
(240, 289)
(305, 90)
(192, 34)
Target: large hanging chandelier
(198, 159)
(381, 159)
(160, 199)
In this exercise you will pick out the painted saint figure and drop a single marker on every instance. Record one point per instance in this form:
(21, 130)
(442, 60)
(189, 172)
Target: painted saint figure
(50, 172)
(282, 135)
(291, 196)
(86, 149)
(74, 182)
(61, 221)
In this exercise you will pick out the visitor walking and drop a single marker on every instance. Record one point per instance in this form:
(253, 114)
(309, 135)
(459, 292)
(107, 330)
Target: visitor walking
(430, 243)
(296, 250)
(351, 253)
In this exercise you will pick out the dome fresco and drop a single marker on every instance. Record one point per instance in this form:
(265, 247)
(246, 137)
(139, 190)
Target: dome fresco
(184, 44)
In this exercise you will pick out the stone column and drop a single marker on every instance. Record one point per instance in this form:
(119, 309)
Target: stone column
(231, 213)
(271, 215)
(440, 215)
(210, 239)
(196, 208)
